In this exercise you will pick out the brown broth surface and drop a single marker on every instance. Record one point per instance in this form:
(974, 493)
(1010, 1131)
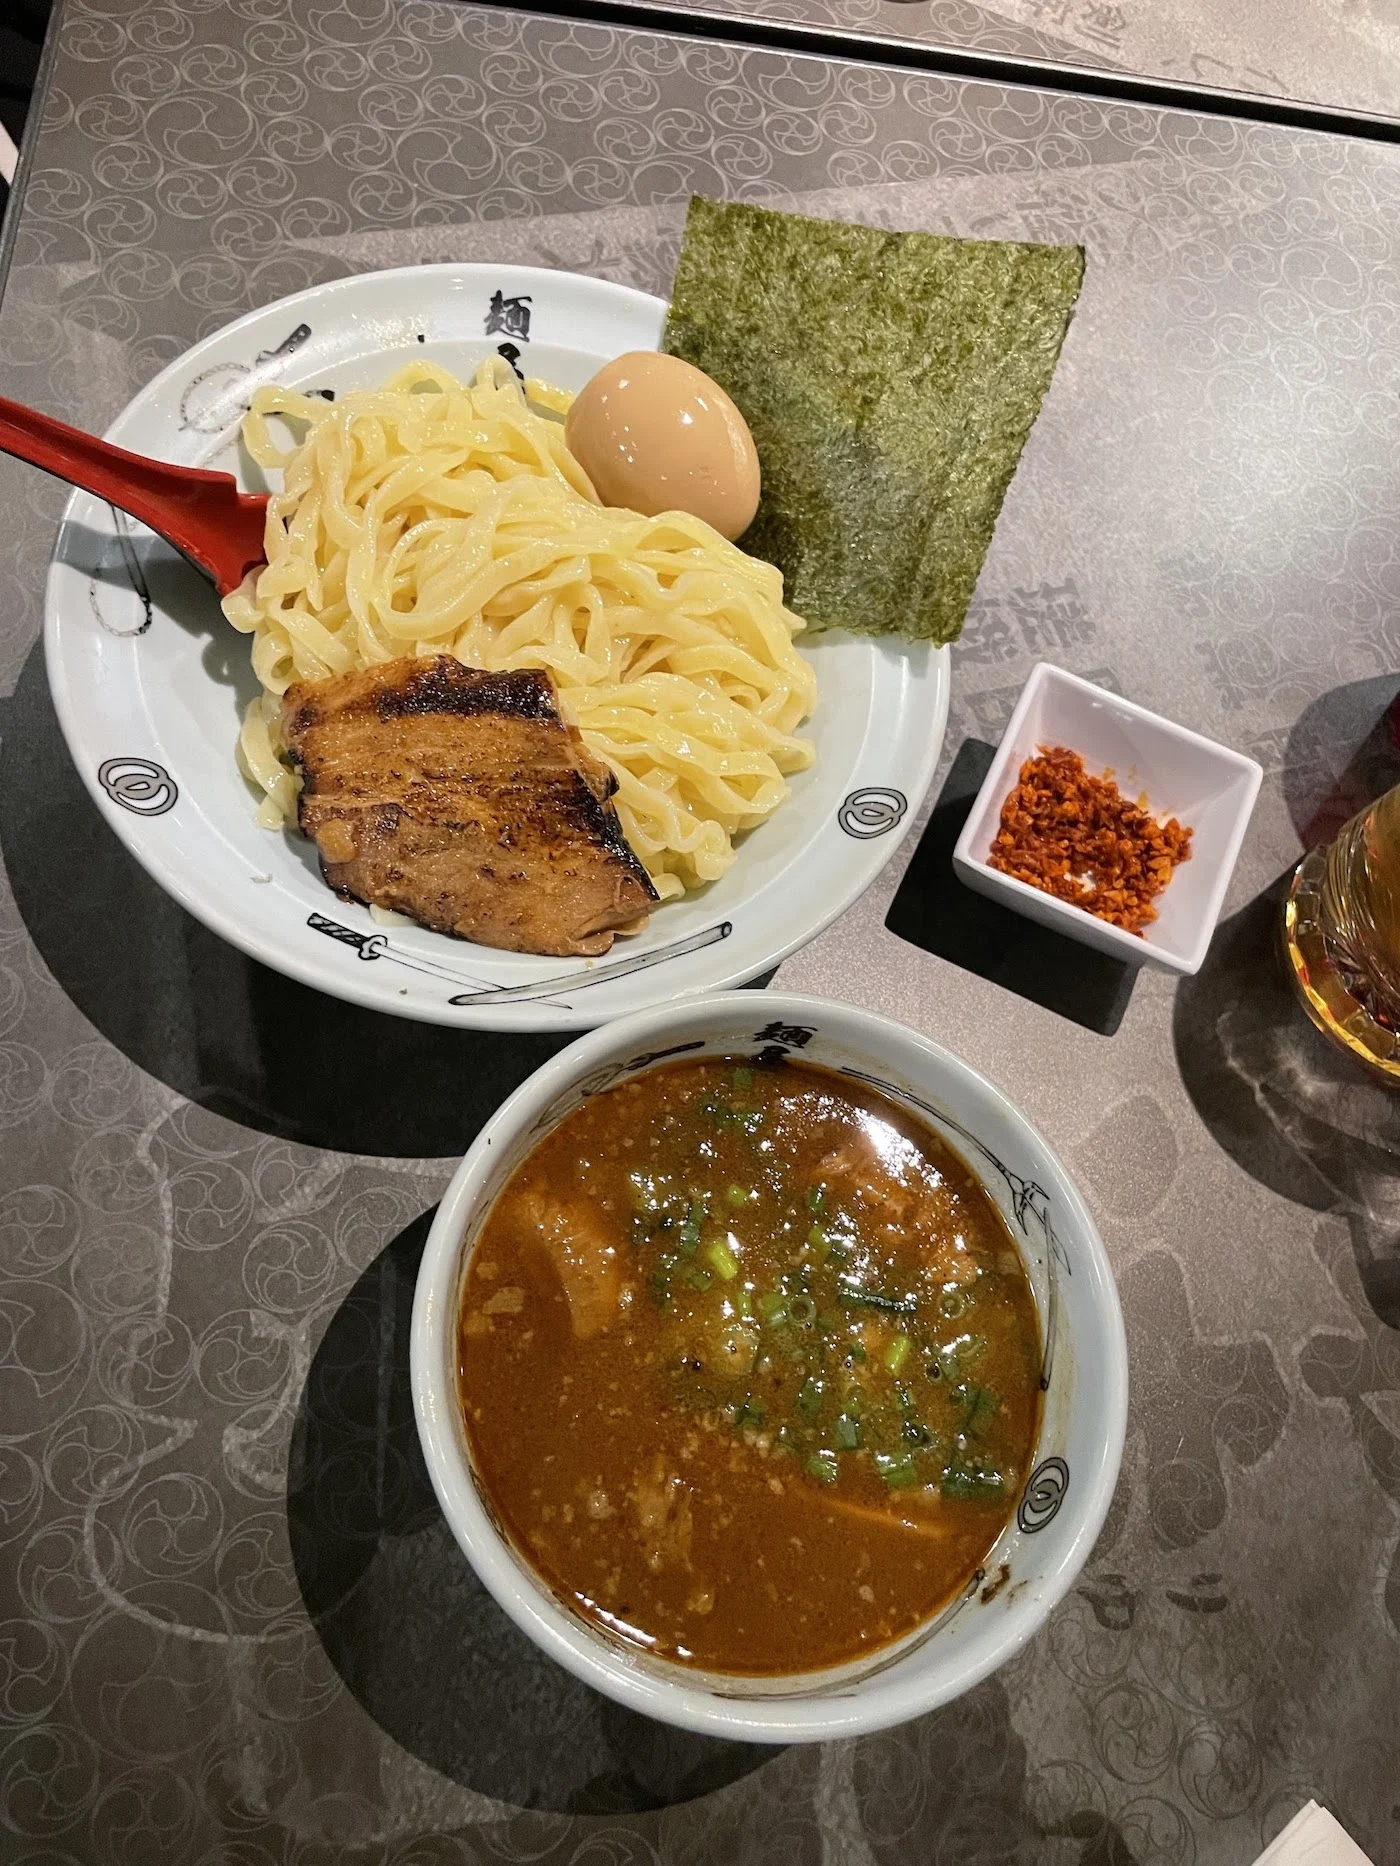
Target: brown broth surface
(750, 1366)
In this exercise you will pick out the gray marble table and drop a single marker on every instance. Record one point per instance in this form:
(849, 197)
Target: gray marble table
(1341, 55)
(233, 1628)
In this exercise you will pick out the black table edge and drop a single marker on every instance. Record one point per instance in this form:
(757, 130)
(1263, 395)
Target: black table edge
(701, 22)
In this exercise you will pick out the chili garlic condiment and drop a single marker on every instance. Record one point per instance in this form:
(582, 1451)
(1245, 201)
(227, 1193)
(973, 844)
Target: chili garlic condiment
(1079, 838)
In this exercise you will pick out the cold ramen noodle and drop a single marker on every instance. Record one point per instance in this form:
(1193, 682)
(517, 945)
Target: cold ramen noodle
(750, 1366)
(434, 517)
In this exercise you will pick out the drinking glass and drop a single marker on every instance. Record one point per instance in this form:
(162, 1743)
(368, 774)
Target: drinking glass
(1341, 932)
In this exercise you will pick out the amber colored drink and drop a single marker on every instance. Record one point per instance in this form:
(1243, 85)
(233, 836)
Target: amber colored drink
(1342, 936)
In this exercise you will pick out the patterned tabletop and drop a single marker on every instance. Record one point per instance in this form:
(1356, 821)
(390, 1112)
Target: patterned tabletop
(233, 1627)
(1342, 54)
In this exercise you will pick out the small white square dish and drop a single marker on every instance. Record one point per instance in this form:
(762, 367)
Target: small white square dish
(1207, 787)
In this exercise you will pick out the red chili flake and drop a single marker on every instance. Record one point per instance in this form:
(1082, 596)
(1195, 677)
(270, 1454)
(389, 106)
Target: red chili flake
(1079, 838)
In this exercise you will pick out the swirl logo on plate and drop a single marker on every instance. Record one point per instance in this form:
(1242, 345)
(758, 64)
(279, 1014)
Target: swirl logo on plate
(139, 785)
(871, 812)
(1045, 1492)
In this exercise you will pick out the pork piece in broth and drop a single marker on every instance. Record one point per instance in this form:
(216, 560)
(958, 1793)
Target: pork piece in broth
(575, 1239)
(767, 1383)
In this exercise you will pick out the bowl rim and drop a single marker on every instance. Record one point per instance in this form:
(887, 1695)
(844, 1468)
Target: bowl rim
(884, 1698)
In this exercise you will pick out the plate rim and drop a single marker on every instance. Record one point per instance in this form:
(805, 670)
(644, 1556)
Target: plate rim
(166, 873)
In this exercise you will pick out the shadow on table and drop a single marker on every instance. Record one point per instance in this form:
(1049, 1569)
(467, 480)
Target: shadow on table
(955, 1786)
(408, 1626)
(208, 1021)
(202, 1017)
(1339, 756)
(1290, 1108)
(935, 911)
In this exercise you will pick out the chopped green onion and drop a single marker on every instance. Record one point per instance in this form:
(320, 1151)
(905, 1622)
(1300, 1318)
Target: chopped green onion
(697, 1278)
(915, 1434)
(690, 1229)
(972, 1483)
(723, 1115)
(750, 1415)
(853, 1297)
(743, 1078)
(847, 1433)
(773, 1307)
(897, 1353)
(817, 1238)
(803, 1310)
(809, 1397)
(743, 1302)
(977, 1403)
(955, 1355)
(823, 1466)
(898, 1471)
(725, 1262)
(815, 1197)
(737, 1195)
(952, 1303)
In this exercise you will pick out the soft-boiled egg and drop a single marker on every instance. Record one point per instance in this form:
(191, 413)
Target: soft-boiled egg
(655, 434)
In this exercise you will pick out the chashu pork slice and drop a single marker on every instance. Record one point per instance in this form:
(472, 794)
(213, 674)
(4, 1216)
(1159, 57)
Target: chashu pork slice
(460, 797)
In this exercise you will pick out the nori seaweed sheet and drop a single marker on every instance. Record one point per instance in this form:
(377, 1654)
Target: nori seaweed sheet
(890, 381)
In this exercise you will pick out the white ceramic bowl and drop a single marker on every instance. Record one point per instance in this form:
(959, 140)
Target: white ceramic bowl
(1081, 1438)
(1207, 787)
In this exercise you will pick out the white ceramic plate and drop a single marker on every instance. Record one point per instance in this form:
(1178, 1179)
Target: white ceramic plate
(149, 683)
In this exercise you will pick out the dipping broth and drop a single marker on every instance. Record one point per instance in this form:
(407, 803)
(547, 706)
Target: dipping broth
(750, 1366)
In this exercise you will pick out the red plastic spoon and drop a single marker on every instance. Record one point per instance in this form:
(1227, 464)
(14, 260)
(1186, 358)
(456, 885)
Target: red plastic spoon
(202, 514)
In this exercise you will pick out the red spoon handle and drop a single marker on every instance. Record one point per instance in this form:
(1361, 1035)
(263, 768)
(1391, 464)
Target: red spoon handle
(202, 514)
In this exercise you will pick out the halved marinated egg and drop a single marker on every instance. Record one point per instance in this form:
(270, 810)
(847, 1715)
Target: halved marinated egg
(655, 434)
